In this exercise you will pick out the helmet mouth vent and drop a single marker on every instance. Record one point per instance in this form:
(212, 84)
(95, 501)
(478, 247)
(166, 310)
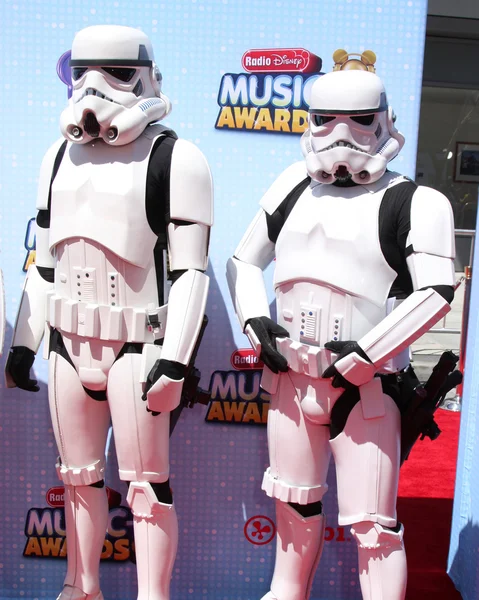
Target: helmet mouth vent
(91, 125)
(342, 174)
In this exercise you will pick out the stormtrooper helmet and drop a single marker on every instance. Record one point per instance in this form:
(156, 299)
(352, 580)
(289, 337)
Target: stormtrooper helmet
(116, 86)
(351, 134)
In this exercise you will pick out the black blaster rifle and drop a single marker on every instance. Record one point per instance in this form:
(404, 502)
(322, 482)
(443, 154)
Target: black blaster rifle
(191, 393)
(418, 417)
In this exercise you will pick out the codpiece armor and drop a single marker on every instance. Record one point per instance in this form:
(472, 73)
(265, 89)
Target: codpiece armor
(124, 213)
(364, 266)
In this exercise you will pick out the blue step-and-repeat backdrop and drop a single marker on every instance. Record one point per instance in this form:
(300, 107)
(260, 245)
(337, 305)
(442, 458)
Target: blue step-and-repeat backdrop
(249, 133)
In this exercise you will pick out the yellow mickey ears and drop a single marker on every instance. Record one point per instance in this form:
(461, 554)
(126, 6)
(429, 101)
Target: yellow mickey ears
(345, 61)
(340, 56)
(369, 58)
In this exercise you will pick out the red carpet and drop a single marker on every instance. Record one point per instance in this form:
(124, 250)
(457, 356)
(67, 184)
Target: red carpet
(426, 490)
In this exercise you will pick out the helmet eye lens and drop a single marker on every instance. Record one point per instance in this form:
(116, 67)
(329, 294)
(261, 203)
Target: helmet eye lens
(363, 119)
(320, 120)
(77, 72)
(122, 73)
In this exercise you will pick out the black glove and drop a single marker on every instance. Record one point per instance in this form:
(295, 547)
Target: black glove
(170, 368)
(19, 363)
(267, 331)
(342, 349)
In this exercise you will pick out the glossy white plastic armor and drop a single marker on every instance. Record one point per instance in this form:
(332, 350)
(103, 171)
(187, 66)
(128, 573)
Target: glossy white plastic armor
(332, 283)
(156, 527)
(32, 305)
(340, 140)
(299, 545)
(313, 229)
(86, 515)
(106, 293)
(30, 321)
(117, 220)
(73, 593)
(382, 561)
(122, 108)
(45, 175)
(367, 458)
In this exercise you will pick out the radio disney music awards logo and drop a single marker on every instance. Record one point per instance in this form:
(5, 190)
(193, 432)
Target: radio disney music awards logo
(46, 535)
(236, 396)
(272, 95)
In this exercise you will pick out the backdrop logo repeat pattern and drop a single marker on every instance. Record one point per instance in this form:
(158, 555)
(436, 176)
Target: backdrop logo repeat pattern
(246, 359)
(237, 397)
(259, 530)
(273, 96)
(281, 59)
(45, 529)
(216, 470)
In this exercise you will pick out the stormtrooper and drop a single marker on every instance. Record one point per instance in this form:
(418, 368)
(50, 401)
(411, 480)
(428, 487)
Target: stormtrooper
(364, 266)
(124, 212)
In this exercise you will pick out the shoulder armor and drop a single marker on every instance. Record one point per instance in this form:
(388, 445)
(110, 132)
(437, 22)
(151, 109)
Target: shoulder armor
(281, 187)
(46, 173)
(191, 185)
(432, 223)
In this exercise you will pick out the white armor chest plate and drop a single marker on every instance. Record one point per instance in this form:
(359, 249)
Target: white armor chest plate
(99, 194)
(331, 278)
(331, 237)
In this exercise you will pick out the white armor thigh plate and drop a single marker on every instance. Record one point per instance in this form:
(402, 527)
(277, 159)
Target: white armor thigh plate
(80, 425)
(317, 244)
(367, 458)
(99, 194)
(99, 295)
(141, 440)
(298, 476)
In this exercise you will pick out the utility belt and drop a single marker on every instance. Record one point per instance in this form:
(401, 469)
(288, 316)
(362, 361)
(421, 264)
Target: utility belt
(306, 359)
(314, 360)
(112, 323)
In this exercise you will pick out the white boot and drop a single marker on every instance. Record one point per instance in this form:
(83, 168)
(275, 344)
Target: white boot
(86, 518)
(299, 544)
(73, 593)
(155, 526)
(382, 561)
